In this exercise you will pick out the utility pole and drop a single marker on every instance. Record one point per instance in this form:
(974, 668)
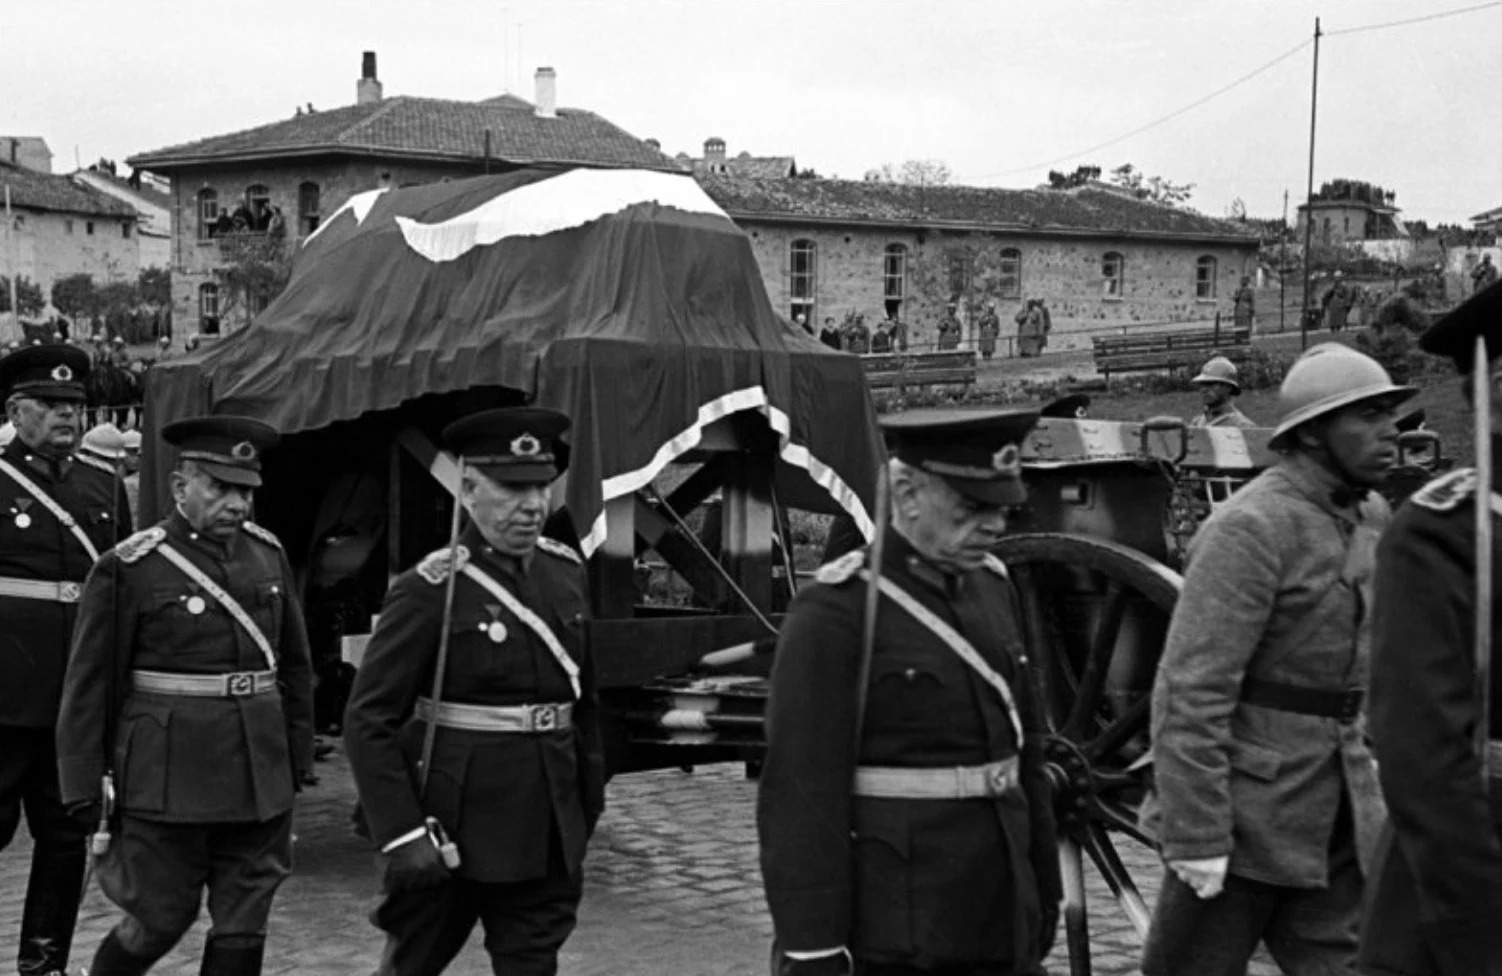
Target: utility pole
(1283, 269)
(14, 253)
(1309, 195)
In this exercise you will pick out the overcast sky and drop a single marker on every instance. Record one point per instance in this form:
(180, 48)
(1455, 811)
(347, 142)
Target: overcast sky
(1000, 90)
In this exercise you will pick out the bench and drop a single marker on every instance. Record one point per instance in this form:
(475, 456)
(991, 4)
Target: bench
(1178, 349)
(904, 369)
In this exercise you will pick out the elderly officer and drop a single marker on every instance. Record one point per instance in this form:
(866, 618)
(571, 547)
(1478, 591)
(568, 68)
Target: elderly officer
(57, 513)
(1219, 384)
(189, 697)
(514, 769)
(1436, 896)
(929, 845)
(1265, 793)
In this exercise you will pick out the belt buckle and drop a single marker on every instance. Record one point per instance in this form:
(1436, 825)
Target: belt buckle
(240, 684)
(998, 779)
(544, 718)
(68, 592)
(1350, 706)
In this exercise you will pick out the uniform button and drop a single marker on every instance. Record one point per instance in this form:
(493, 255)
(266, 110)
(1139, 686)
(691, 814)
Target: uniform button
(910, 673)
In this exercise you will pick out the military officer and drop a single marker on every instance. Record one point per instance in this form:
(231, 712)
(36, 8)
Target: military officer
(1436, 896)
(515, 779)
(189, 687)
(929, 845)
(58, 511)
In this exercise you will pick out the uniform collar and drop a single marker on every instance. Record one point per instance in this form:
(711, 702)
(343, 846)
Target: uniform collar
(514, 566)
(903, 558)
(179, 526)
(1323, 487)
(19, 453)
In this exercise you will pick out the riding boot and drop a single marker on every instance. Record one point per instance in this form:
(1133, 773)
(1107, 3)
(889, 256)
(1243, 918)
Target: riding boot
(51, 910)
(113, 959)
(233, 955)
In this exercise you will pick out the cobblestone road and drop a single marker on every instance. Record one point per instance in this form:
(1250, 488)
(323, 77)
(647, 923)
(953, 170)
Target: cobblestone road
(672, 888)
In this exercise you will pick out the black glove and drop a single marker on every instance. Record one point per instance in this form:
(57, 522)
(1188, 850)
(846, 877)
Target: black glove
(835, 965)
(415, 865)
(86, 812)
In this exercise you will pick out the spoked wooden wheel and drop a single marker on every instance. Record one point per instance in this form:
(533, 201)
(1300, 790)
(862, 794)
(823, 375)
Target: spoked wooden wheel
(1095, 614)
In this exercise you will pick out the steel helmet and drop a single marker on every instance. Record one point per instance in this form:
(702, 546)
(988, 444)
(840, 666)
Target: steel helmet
(1326, 378)
(1220, 370)
(105, 441)
(7, 433)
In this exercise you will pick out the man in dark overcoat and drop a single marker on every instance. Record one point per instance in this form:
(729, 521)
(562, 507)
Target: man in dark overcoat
(1435, 907)
(1265, 802)
(189, 698)
(929, 844)
(58, 511)
(516, 777)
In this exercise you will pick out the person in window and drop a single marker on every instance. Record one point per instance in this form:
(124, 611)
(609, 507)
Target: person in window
(857, 336)
(830, 334)
(881, 338)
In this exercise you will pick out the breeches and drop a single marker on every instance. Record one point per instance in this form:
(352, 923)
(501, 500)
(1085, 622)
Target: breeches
(158, 873)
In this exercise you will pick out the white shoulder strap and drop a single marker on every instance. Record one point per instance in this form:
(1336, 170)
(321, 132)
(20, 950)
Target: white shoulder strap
(956, 642)
(51, 505)
(531, 620)
(225, 600)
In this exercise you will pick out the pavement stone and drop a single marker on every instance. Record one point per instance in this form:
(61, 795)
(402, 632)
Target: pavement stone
(672, 886)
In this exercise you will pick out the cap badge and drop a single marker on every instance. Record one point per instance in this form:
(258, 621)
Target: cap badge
(1007, 460)
(243, 451)
(62, 373)
(526, 446)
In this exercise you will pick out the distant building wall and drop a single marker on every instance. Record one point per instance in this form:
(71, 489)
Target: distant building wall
(52, 245)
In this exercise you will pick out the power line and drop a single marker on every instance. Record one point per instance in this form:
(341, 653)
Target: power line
(1414, 20)
(1157, 122)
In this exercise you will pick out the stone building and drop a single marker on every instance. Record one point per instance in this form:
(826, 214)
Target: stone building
(152, 203)
(716, 161)
(241, 202)
(1100, 258)
(1347, 211)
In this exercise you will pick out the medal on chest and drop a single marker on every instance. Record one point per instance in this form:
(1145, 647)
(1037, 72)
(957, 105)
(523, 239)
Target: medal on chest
(495, 631)
(194, 604)
(22, 518)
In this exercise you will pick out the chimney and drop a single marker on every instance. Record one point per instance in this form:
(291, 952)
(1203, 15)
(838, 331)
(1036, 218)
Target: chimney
(654, 144)
(547, 94)
(714, 154)
(368, 88)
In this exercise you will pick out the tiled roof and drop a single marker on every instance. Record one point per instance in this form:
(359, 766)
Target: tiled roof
(427, 128)
(146, 192)
(1083, 210)
(44, 191)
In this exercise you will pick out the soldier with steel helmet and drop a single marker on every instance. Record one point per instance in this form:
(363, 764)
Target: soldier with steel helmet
(1436, 897)
(57, 513)
(1219, 384)
(905, 823)
(188, 703)
(482, 777)
(1265, 802)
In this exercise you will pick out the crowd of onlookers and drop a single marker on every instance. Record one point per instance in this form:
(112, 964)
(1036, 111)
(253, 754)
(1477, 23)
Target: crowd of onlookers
(891, 334)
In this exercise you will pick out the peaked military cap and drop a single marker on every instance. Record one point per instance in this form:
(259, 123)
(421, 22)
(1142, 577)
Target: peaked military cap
(228, 448)
(1073, 406)
(1455, 334)
(977, 450)
(516, 445)
(53, 371)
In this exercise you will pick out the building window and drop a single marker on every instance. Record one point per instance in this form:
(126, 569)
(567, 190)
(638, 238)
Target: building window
(1009, 284)
(125, 230)
(894, 279)
(307, 208)
(1204, 278)
(802, 278)
(88, 227)
(1113, 275)
(208, 309)
(67, 226)
(208, 213)
(257, 208)
(959, 274)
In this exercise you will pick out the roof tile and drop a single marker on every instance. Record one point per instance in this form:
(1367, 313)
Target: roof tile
(46, 191)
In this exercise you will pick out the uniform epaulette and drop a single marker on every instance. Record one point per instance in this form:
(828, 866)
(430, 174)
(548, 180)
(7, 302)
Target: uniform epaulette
(995, 565)
(98, 464)
(555, 548)
(435, 565)
(1447, 491)
(262, 533)
(842, 570)
(140, 544)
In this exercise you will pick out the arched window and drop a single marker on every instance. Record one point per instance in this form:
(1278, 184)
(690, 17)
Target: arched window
(894, 272)
(802, 278)
(208, 308)
(1204, 278)
(1113, 275)
(1010, 283)
(208, 212)
(258, 208)
(308, 214)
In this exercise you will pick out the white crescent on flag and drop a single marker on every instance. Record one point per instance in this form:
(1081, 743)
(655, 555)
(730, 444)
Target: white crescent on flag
(570, 199)
(359, 205)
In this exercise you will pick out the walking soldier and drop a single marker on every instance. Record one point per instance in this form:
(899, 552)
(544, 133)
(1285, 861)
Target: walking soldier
(190, 674)
(474, 716)
(905, 823)
(58, 511)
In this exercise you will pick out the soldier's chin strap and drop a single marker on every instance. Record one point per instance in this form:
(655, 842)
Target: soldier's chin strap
(1481, 391)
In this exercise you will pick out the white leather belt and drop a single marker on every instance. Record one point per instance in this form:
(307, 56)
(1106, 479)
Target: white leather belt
(941, 783)
(238, 684)
(549, 717)
(61, 592)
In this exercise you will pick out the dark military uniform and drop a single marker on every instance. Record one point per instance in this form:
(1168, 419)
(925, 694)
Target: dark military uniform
(206, 742)
(908, 884)
(42, 568)
(1434, 907)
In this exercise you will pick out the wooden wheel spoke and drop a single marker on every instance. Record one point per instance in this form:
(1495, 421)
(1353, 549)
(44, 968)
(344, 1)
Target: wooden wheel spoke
(1087, 692)
(1118, 816)
(1118, 879)
(1038, 635)
(1076, 914)
(1129, 723)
